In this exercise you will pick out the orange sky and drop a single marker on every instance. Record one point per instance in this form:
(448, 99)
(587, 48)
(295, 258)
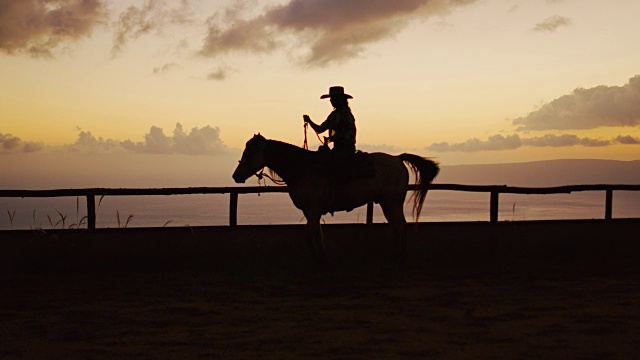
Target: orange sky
(468, 81)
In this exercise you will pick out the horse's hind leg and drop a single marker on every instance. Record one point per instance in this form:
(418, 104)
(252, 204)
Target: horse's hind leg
(393, 212)
(313, 235)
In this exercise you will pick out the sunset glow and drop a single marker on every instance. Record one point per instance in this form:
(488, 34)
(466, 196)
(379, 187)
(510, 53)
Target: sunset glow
(462, 81)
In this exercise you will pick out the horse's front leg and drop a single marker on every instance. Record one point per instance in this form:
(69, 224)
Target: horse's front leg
(313, 235)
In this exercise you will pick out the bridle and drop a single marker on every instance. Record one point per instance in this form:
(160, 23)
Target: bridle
(261, 174)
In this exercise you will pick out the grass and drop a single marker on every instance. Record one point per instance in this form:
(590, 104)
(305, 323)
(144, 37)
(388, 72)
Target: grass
(82, 220)
(129, 218)
(61, 220)
(12, 215)
(513, 213)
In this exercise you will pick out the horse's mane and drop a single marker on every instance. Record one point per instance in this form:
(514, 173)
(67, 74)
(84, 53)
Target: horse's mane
(281, 146)
(274, 175)
(293, 154)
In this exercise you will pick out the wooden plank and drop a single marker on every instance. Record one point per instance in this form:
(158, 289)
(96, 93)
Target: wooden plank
(91, 212)
(142, 191)
(283, 189)
(370, 212)
(233, 209)
(493, 208)
(608, 210)
(495, 190)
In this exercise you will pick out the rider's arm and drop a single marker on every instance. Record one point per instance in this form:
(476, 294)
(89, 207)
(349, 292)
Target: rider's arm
(317, 128)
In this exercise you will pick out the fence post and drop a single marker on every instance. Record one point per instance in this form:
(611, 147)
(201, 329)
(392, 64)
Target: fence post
(493, 208)
(91, 211)
(608, 210)
(233, 209)
(370, 212)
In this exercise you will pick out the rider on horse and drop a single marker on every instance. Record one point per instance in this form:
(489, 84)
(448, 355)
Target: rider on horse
(342, 132)
(340, 123)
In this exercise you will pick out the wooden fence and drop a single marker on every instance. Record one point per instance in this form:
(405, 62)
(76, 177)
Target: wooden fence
(494, 190)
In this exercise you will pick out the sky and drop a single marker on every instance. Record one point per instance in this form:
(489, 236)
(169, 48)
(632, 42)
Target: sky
(155, 87)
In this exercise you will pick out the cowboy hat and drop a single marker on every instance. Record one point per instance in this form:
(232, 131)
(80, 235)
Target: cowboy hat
(336, 91)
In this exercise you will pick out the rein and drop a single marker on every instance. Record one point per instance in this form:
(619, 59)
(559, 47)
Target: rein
(306, 143)
(261, 175)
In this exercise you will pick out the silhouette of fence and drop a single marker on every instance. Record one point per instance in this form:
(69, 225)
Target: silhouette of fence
(494, 190)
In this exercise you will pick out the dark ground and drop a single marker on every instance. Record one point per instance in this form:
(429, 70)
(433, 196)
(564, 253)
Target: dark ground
(552, 312)
(548, 290)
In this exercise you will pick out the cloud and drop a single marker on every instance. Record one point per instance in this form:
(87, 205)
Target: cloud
(165, 68)
(13, 144)
(151, 17)
(552, 24)
(496, 142)
(328, 31)
(513, 8)
(588, 109)
(38, 28)
(564, 140)
(86, 142)
(627, 140)
(199, 141)
(511, 142)
(219, 74)
(380, 148)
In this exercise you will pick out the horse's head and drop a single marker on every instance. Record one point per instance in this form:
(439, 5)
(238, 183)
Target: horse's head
(252, 159)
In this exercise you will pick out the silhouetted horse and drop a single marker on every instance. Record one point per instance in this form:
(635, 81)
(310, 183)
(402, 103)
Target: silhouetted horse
(304, 172)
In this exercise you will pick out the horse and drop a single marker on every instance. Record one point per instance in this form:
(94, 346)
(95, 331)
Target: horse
(304, 172)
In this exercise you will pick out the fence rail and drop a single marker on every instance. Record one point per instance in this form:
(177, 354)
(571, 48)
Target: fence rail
(494, 190)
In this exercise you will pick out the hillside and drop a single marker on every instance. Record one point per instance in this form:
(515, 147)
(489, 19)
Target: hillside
(544, 173)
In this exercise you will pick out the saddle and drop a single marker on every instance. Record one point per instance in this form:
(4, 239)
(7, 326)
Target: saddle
(360, 166)
(363, 166)
(340, 171)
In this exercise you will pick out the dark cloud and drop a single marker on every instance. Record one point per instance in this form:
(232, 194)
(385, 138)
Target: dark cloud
(510, 142)
(588, 109)
(40, 27)
(627, 140)
(328, 30)
(199, 141)
(10, 143)
(552, 24)
(152, 17)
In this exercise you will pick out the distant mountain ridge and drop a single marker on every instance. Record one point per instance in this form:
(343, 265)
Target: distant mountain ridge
(544, 173)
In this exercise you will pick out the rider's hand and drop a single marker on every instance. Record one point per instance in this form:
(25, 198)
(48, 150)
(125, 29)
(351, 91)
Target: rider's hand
(306, 118)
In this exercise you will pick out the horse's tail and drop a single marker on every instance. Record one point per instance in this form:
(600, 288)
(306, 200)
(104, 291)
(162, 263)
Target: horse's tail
(424, 170)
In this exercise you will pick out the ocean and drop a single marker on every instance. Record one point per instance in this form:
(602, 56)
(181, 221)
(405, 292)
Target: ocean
(277, 208)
